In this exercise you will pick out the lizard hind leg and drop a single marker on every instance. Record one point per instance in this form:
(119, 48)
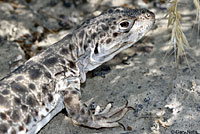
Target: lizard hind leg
(82, 115)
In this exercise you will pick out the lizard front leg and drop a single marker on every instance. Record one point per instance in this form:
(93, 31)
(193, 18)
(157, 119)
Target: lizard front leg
(82, 115)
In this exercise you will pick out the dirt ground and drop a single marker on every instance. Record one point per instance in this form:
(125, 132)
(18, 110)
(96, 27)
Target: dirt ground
(166, 99)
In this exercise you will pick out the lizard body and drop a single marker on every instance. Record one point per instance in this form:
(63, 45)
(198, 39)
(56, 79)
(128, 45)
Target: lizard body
(34, 93)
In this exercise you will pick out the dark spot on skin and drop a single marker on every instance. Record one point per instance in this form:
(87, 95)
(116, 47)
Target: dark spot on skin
(82, 111)
(50, 61)
(24, 108)
(15, 116)
(44, 89)
(71, 47)
(3, 128)
(117, 10)
(50, 97)
(71, 64)
(102, 35)
(64, 51)
(89, 113)
(62, 61)
(42, 116)
(17, 87)
(101, 41)
(3, 116)
(21, 128)
(115, 35)
(34, 73)
(39, 95)
(85, 47)
(5, 92)
(114, 22)
(47, 74)
(64, 92)
(81, 34)
(93, 35)
(113, 18)
(2, 100)
(27, 120)
(36, 113)
(90, 31)
(47, 109)
(89, 41)
(19, 78)
(96, 48)
(17, 101)
(31, 86)
(110, 11)
(104, 27)
(67, 100)
(30, 101)
(72, 113)
(74, 92)
(97, 29)
(113, 27)
(108, 40)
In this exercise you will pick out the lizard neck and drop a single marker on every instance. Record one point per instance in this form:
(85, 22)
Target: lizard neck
(85, 41)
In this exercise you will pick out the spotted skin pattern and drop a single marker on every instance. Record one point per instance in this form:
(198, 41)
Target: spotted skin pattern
(35, 92)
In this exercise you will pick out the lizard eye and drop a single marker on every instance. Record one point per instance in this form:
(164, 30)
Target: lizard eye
(125, 25)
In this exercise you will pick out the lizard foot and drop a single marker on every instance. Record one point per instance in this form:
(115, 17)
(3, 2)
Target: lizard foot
(106, 118)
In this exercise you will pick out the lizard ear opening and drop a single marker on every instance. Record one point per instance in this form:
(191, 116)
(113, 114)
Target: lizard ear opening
(125, 25)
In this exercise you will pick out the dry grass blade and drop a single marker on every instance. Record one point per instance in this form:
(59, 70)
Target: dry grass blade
(197, 5)
(178, 38)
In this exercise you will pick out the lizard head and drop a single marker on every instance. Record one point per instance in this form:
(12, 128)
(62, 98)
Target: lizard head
(113, 31)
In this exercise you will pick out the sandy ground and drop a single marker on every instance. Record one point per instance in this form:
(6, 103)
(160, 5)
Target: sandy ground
(166, 99)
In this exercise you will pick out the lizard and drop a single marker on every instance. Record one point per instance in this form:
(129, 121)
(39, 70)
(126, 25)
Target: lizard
(35, 92)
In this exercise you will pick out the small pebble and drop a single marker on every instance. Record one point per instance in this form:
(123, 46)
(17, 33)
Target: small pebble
(53, 3)
(147, 99)
(198, 108)
(40, 29)
(140, 106)
(92, 106)
(129, 128)
(185, 69)
(65, 25)
(67, 4)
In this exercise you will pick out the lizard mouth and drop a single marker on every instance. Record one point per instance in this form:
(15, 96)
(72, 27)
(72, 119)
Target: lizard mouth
(115, 50)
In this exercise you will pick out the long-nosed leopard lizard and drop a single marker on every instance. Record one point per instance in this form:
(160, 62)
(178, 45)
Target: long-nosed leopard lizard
(34, 93)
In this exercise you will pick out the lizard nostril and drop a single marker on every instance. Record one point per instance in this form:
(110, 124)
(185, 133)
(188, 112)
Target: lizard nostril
(143, 12)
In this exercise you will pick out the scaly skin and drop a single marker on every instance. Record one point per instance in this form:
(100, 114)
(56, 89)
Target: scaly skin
(50, 81)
